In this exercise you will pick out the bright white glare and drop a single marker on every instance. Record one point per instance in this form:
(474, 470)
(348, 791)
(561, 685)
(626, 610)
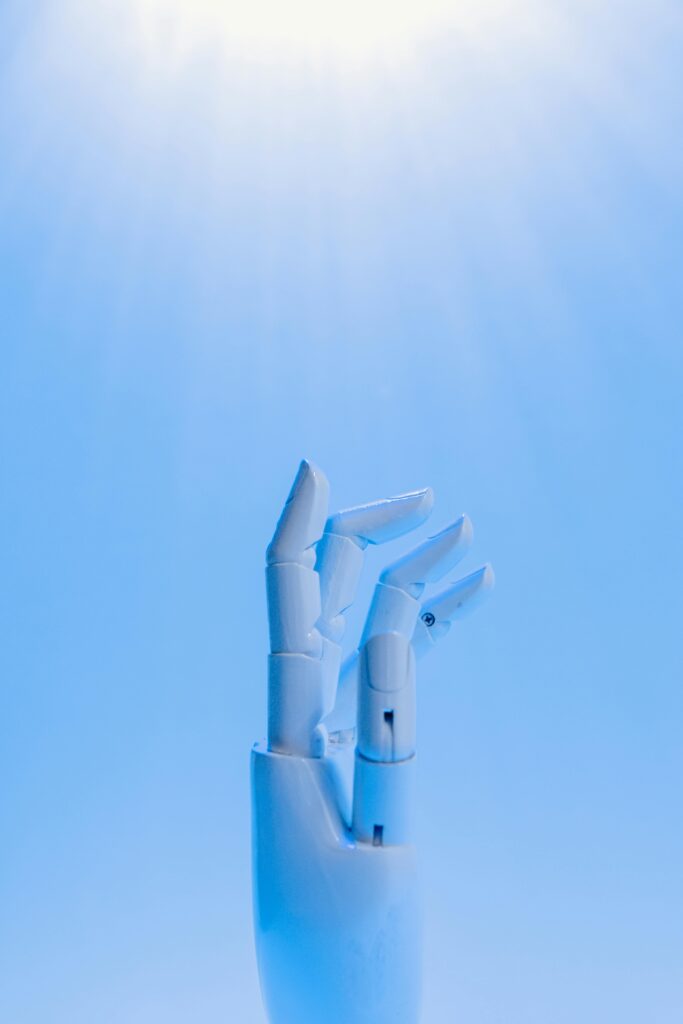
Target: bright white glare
(350, 28)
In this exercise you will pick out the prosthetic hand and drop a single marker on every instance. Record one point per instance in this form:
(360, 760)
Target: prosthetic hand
(336, 906)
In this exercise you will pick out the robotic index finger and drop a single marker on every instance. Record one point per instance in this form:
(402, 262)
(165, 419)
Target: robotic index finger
(307, 596)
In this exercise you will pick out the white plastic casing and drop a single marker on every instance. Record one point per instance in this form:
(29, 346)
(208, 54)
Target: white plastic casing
(337, 922)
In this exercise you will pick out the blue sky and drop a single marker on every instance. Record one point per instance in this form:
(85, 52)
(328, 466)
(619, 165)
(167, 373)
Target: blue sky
(452, 259)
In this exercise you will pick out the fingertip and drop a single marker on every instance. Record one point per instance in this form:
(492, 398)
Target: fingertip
(488, 577)
(427, 502)
(380, 521)
(303, 516)
(431, 559)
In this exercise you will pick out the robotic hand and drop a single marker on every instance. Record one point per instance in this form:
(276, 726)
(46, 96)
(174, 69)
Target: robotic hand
(336, 906)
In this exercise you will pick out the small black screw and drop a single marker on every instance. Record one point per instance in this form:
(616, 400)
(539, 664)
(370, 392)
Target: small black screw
(428, 619)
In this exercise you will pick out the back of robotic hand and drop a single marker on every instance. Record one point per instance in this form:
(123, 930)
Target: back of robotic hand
(336, 902)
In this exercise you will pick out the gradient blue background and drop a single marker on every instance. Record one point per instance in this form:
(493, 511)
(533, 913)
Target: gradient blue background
(460, 266)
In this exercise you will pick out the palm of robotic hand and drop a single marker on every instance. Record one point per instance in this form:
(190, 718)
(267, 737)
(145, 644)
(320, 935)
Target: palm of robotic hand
(336, 905)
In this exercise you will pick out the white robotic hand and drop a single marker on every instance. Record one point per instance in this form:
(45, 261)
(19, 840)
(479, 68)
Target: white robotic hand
(336, 905)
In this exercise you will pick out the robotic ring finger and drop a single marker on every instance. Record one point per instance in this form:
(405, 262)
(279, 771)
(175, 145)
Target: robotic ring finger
(336, 905)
